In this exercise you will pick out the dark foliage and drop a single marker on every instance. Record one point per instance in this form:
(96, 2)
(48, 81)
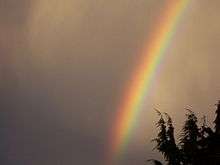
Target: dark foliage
(156, 162)
(198, 145)
(189, 139)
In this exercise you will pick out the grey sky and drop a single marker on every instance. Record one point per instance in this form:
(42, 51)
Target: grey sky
(64, 64)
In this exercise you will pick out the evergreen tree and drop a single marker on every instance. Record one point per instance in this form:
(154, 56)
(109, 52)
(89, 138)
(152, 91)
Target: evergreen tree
(155, 162)
(214, 140)
(217, 119)
(173, 152)
(203, 143)
(198, 145)
(189, 138)
(161, 138)
(166, 141)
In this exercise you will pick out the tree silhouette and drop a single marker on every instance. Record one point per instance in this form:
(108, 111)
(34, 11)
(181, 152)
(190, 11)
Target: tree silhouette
(156, 162)
(161, 138)
(189, 138)
(198, 145)
(217, 119)
(172, 150)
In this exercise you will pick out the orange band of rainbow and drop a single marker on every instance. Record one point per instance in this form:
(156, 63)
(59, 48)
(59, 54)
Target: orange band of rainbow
(130, 107)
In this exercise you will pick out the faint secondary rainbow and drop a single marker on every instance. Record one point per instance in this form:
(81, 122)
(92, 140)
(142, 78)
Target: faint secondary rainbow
(138, 87)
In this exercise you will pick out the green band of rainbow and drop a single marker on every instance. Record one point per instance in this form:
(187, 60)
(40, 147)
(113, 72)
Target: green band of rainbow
(130, 107)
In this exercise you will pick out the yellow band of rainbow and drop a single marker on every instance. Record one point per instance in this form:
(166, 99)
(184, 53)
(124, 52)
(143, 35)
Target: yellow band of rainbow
(154, 50)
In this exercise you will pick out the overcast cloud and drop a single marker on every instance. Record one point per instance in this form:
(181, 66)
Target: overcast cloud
(63, 66)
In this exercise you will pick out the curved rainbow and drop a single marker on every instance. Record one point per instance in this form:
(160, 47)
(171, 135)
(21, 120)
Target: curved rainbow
(130, 107)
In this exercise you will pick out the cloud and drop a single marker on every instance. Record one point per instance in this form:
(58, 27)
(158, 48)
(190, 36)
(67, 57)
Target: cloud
(64, 65)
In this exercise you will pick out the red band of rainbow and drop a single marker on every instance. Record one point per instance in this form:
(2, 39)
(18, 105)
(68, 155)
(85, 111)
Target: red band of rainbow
(130, 107)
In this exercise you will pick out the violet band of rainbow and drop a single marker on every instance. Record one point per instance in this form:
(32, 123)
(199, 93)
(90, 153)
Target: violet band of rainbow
(132, 99)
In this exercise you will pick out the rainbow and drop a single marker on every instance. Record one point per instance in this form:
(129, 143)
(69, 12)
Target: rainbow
(153, 52)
